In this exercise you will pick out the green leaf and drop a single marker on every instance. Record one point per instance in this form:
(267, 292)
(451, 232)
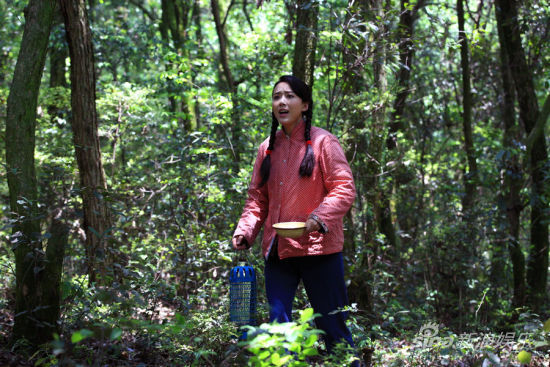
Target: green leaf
(263, 355)
(254, 102)
(310, 352)
(282, 360)
(310, 340)
(254, 350)
(546, 326)
(94, 232)
(275, 359)
(81, 335)
(295, 347)
(116, 334)
(524, 357)
(306, 315)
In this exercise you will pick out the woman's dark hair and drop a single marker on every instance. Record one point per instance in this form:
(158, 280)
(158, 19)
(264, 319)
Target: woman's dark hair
(303, 91)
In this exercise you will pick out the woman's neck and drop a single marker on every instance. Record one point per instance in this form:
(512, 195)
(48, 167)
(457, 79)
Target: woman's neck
(289, 128)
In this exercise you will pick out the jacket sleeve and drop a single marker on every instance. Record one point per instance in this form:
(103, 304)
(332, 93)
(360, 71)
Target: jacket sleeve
(256, 205)
(338, 181)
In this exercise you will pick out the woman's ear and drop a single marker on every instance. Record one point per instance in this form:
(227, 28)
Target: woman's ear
(305, 106)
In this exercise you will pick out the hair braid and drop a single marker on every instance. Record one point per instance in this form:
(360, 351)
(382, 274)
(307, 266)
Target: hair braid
(266, 163)
(308, 162)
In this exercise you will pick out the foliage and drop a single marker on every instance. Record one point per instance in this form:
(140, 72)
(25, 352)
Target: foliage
(286, 344)
(176, 192)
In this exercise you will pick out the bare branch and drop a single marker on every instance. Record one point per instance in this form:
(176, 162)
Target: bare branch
(150, 14)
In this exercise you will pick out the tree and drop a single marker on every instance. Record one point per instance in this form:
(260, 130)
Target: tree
(174, 27)
(537, 264)
(38, 272)
(373, 167)
(367, 133)
(306, 40)
(471, 173)
(58, 53)
(405, 32)
(405, 29)
(84, 122)
(512, 178)
(236, 125)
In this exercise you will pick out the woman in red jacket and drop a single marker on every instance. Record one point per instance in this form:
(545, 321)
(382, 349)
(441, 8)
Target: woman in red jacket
(300, 175)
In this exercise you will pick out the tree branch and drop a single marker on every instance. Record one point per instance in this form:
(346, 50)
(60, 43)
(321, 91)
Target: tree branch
(227, 13)
(245, 3)
(538, 129)
(151, 15)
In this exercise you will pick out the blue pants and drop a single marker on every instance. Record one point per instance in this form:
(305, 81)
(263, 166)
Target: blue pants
(323, 278)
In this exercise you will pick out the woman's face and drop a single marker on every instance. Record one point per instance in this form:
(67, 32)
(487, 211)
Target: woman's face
(287, 106)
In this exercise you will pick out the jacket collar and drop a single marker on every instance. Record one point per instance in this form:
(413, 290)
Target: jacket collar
(296, 134)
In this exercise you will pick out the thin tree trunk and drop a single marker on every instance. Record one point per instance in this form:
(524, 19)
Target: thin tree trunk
(407, 19)
(537, 132)
(512, 181)
(35, 316)
(97, 221)
(537, 265)
(471, 173)
(53, 265)
(58, 55)
(196, 19)
(373, 167)
(360, 290)
(222, 40)
(306, 40)
(236, 125)
(174, 24)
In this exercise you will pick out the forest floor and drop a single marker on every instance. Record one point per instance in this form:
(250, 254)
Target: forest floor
(140, 350)
(160, 336)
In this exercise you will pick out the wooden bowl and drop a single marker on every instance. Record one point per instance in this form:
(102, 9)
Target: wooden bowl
(290, 229)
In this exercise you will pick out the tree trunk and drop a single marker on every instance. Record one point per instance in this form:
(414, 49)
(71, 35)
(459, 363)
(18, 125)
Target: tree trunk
(471, 173)
(236, 124)
(537, 264)
(58, 55)
(196, 19)
(407, 19)
(370, 172)
(174, 24)
(512, 181)
(97, 223)
(35, 314)
(405, 28)
(58, 52)
(306, 40)
(374, 166)
(222, 40)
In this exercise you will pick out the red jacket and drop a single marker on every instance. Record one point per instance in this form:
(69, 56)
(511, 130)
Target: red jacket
(326, 196)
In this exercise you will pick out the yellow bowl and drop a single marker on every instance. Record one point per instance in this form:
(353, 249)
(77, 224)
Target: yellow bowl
(290, 229)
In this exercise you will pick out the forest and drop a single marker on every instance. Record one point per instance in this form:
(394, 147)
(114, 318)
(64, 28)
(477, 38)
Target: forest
(129, 133)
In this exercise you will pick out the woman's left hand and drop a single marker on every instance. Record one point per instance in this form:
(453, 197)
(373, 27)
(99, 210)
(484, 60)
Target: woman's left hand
(312, 225)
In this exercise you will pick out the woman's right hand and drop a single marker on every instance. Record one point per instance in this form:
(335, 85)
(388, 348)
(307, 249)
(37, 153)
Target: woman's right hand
(240, 243)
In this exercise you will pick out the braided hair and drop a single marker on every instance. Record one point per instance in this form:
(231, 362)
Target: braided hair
(303, 91)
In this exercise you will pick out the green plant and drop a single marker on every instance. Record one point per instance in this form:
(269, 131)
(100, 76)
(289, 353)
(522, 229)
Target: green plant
(538, 340)
(283, 344)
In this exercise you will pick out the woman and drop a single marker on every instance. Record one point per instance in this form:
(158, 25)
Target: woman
(317, 189)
